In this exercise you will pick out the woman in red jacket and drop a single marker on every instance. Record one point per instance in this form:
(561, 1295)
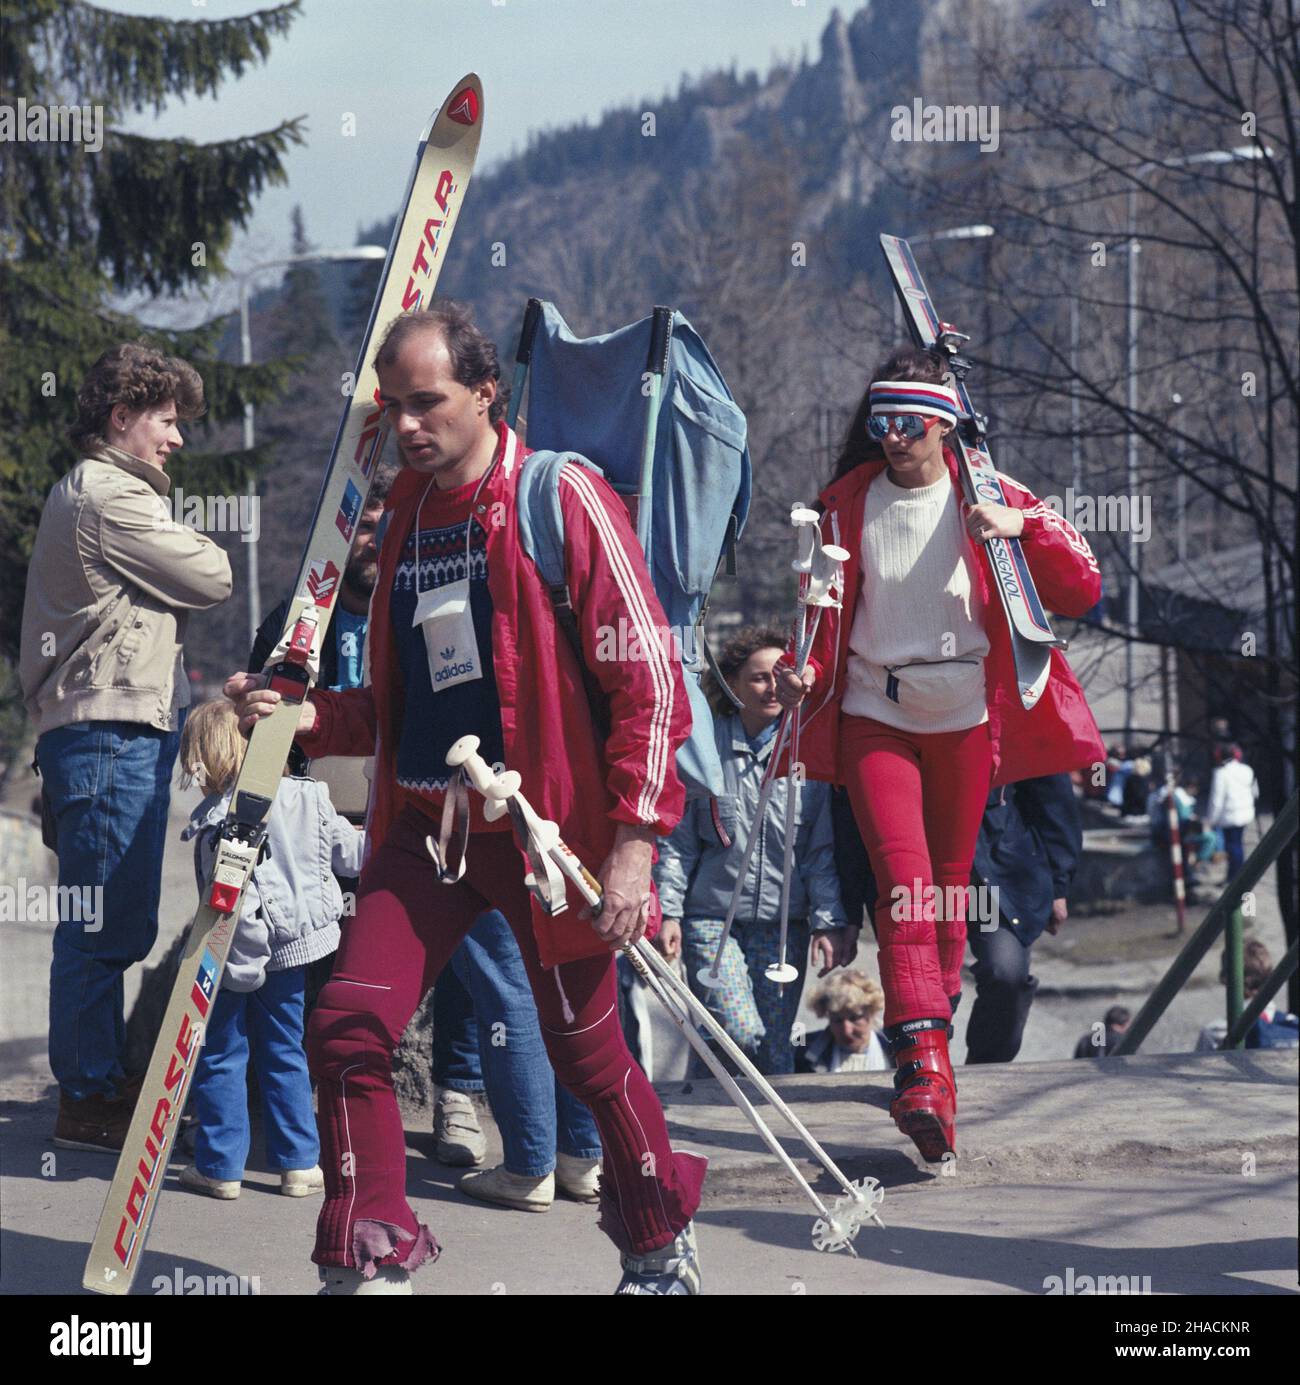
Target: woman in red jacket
(913, 701)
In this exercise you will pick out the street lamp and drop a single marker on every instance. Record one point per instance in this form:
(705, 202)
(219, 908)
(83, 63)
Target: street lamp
(979, 232)
(357, 252)
(1210, 156)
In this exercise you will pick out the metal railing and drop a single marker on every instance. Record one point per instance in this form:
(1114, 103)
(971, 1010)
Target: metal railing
(1224, 915)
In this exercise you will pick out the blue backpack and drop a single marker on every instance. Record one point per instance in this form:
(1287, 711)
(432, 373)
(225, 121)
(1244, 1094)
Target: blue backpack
(685, 452)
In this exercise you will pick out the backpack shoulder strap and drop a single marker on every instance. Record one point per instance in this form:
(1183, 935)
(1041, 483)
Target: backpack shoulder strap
(541, 530)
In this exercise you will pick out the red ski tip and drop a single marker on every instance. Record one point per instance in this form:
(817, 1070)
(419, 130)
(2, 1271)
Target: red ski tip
(224, 898)
(463, 107)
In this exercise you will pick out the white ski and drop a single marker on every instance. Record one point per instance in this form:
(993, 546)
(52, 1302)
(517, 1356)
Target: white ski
(443, 164)
(1032, 636)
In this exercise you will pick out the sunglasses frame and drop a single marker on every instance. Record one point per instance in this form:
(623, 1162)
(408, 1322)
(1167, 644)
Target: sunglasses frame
(894, 420)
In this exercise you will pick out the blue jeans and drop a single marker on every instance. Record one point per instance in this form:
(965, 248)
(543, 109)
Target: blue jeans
(269, 1022)
(109, 786)
(1234, 845)
(456, 1063)
(535, 1115)
(757, 1014)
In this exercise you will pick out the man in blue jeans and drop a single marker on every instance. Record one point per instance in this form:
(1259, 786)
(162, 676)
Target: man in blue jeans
(109, 590)
(549, 1140)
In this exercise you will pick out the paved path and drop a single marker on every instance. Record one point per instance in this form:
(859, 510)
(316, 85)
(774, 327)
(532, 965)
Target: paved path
(1180, 1170)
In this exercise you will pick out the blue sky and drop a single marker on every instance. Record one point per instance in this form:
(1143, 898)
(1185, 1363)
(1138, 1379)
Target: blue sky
(544, 63)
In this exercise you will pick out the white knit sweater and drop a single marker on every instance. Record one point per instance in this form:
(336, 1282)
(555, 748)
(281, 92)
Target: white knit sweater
(920, 605)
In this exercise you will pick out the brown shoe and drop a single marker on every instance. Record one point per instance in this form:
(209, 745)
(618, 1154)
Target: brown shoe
(94, 1122)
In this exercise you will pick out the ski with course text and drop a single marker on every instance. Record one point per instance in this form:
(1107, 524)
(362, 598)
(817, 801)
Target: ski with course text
(1032, 636)
(434, 195)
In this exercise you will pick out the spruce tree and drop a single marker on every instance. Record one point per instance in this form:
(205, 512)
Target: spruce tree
(79, 226)
(303, 316)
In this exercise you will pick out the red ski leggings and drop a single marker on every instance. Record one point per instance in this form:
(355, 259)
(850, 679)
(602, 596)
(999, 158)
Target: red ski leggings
(918, 799)
(406, 928)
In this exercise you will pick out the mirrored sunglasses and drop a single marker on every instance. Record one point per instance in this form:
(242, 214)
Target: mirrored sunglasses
(908, 426)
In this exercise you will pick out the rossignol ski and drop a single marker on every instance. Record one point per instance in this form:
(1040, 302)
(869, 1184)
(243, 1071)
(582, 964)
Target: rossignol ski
(443, 164)
(1032, 637)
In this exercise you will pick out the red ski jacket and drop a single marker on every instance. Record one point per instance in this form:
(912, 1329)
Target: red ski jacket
(1059, 732)
(546, 722)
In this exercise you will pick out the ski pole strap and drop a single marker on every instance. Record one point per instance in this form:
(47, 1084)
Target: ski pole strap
(544, 878)
(448, 854)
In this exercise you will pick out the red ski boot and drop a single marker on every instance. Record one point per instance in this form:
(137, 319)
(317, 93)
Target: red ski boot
(925, 1108)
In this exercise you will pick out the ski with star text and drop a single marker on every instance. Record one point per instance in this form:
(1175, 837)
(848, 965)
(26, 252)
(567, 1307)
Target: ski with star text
(1032, 636)
(434, 196)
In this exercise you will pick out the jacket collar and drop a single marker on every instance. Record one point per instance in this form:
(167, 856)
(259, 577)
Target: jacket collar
(508, 454)
(155, 476)
(844, 491)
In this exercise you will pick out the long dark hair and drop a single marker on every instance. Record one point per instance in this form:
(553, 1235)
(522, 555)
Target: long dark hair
(907, 363)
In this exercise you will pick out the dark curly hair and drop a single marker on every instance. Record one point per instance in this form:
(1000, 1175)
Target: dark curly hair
(907, 363)
(137, 375)
(732, 658)
(473, 355)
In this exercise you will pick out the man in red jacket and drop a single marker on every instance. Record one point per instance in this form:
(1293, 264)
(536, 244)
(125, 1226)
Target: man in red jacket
(463, 640)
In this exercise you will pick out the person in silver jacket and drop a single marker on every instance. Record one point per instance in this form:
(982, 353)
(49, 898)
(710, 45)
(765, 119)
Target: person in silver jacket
(698, 865)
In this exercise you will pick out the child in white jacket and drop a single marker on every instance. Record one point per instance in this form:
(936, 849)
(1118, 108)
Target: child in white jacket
(289, 918)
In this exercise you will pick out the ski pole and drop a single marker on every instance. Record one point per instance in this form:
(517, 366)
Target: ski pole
(818, 566)
(652, 968)
(806, 524)
(839, 1223)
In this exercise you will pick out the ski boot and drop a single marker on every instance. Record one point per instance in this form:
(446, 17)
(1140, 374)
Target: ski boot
(925, 1109)
(674, 1269)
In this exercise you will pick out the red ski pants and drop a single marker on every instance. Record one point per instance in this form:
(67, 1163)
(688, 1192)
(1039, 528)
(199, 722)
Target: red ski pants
(918, 799)
(406, 928)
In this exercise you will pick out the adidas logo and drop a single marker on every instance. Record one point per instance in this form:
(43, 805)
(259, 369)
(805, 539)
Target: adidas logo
(447, 653)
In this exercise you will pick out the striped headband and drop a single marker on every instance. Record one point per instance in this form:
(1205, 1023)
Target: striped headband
(914, 397)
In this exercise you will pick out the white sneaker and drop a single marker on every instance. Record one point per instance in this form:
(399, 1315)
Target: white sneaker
(577, 1179)
(508, 1189)
(302, 1182)
(458, 1139)
(225, 1189)
(338, 1280)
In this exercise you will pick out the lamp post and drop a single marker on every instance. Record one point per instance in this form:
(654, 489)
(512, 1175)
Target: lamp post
(357, 252)
(979, 232)
(1134, 248)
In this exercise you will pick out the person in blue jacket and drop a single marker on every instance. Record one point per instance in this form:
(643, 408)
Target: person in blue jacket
(699, 862)
(1029, 847)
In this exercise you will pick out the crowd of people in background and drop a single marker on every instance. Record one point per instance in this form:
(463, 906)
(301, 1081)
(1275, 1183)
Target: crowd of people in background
(110, 706)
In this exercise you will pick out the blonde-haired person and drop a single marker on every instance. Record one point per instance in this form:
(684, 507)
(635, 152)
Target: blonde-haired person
(699, 862)
(110, 588)
(852, 1003)
(289, 918)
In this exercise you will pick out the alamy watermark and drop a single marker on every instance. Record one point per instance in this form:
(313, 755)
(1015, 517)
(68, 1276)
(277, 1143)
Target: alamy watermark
(1072, 1283)
(213, 514)
(24, 903)
(626, 643)
(178, 1282)
(931, 903)
(922, 124)
(1104, 514)
(24, 124)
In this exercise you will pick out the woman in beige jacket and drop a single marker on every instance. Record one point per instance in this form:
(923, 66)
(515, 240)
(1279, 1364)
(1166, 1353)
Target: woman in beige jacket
(110, 586)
